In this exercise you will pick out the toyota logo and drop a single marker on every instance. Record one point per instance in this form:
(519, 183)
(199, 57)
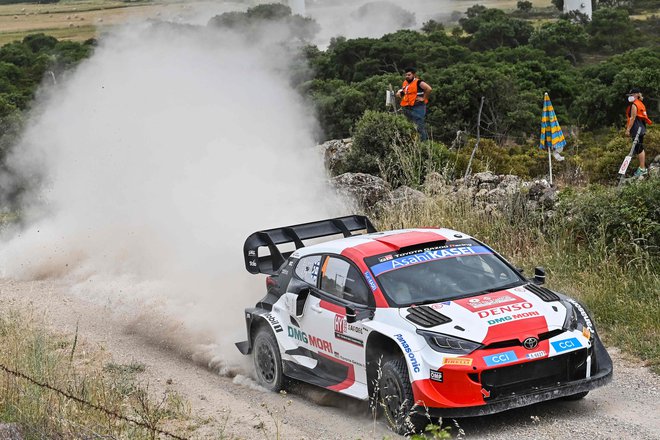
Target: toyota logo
(530, 343)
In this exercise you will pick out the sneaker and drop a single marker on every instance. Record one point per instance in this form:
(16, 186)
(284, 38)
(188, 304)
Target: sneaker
(641, 172)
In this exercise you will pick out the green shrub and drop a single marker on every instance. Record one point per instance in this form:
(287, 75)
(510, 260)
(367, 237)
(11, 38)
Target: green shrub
(602, 162)
(624, 220)
(373, 137)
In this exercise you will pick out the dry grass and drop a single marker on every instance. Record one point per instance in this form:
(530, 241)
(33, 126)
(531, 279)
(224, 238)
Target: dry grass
(76, 20)
(77, 33)
(66, 363)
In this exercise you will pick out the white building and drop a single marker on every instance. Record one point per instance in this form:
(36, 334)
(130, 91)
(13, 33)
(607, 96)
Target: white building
(583, 6)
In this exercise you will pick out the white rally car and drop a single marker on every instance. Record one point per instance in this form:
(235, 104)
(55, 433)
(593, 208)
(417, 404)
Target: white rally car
(419, 320)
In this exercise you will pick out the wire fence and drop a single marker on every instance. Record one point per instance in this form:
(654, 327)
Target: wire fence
(88, 404)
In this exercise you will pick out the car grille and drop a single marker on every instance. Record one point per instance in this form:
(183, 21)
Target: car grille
(546, 295)
(506, 381)
(425, 316)
(518, 343)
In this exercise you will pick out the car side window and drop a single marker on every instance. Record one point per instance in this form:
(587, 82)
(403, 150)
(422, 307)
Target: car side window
(343, 280)
(308, 269)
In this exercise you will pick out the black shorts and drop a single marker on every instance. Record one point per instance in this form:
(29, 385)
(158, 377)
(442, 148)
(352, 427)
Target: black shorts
(639, 147)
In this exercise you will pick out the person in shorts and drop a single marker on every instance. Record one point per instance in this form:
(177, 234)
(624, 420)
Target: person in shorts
(637, 119)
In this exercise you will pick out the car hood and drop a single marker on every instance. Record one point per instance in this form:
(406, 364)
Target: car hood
(515, 313)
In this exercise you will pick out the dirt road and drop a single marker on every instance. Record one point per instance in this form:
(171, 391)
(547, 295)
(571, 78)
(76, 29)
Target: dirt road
(626, 409)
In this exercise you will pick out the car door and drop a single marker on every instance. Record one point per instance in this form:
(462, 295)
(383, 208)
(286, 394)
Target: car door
(342, 288)
(320, 329)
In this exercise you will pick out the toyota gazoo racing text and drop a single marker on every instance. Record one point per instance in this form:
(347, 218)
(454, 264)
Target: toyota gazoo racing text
(425, 321)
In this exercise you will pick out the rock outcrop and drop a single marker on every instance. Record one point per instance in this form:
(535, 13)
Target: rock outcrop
(495, 194)
(366, 190)
(334, 154)
(372, 194)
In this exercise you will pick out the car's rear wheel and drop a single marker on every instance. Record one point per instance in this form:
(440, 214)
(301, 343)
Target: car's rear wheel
(577, 396)
(267, 360)
(396, 399)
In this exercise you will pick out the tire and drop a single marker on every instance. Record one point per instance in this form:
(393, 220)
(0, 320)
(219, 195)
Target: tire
(396, 399)
(578, 396)
(267, 360)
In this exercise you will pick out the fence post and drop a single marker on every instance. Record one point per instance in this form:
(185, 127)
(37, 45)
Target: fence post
(474, 150)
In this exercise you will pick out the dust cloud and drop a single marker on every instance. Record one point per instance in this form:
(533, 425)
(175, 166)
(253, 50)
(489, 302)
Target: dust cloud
(155, 159)
(374, 18)
(157, 156)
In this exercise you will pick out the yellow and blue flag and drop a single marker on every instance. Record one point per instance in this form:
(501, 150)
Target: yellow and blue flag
(551, 134)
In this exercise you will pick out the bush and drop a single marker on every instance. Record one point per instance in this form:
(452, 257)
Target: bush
(524, 6)
(601, 163)
(624, 221)
(373, 137)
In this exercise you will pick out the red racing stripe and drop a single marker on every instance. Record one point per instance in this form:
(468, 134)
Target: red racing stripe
(332, 307)
(409, 238)
(350, 374)
(520, 329)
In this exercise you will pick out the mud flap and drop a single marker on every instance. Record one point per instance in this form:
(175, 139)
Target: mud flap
(244, 347)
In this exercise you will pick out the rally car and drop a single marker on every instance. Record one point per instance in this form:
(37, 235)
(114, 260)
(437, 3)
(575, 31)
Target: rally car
(425, 321)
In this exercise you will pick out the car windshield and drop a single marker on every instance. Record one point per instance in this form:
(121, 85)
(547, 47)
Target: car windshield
(441, 273)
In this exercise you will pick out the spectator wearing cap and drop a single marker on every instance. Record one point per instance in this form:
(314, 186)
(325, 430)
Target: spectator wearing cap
(637, 119)
(414, 95)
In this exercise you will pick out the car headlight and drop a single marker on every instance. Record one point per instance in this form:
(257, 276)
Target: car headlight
(570, 323)
(448, 344)
(584, 321)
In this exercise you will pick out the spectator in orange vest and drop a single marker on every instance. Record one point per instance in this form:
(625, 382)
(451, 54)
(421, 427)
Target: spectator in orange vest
(414, 95)
(637, 120)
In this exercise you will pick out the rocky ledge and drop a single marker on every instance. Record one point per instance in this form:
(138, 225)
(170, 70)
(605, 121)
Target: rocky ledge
(488, 191)
(491, 192)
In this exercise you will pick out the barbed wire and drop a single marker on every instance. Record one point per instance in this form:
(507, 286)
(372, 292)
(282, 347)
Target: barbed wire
(99, 408)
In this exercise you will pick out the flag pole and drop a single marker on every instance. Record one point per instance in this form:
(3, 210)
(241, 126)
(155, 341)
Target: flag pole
(550, 164)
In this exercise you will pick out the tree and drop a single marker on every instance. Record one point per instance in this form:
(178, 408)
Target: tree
(492, 28)
(576, 17)
(524, 6)
(270, 11)
(432, 26)
(611, 30)
(254, 19)
(561, 38)
(559, 4)
(22, 68)
(602, 101)
(384, 10)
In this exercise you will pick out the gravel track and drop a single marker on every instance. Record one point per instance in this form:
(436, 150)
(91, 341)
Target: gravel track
(628, 408)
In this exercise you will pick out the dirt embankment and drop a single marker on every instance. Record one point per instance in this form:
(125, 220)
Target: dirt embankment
(626, 409)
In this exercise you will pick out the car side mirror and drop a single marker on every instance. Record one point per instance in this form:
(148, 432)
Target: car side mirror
(351, 315)
(539, 275)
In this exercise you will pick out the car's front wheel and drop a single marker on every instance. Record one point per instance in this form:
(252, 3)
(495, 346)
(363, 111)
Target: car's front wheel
(267, 360)
(396, 399)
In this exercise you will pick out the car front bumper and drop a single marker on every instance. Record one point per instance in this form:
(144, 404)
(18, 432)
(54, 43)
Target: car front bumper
(533, 394)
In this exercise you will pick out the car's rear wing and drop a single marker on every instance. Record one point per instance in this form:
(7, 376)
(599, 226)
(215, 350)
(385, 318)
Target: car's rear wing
(271, 238)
